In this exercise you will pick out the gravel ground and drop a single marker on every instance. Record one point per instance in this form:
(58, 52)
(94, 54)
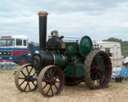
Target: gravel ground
(117, 92)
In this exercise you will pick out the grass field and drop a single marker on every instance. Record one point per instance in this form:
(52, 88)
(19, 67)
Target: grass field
(117, 92)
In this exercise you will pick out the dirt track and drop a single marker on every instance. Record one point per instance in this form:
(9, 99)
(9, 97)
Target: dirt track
(117, 92)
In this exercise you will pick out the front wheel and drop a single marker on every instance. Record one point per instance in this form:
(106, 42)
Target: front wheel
(25, 78)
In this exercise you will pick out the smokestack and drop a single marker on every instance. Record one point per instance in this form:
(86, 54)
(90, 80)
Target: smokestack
(42, 29)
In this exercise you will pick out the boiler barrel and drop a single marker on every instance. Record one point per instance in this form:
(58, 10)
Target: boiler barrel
(45, 58)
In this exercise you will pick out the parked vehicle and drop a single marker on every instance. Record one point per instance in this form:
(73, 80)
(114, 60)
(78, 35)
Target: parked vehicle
(120, 73)
(116, 74)
(14, 50)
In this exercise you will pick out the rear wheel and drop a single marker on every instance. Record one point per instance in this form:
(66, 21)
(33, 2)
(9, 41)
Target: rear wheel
(51, 81)
(98, 69)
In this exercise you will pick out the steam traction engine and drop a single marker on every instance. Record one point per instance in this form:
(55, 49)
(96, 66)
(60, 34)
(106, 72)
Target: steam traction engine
(58, 63)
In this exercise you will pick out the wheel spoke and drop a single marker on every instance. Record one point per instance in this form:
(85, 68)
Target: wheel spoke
(52, 91)
(56, 86)
(48, 90)
(30, 70)
(21, 78)
(29, 86)
(34, 83)
(52, 72)
(45, 86)
(23, 73)
(27, 70)
(21, 83)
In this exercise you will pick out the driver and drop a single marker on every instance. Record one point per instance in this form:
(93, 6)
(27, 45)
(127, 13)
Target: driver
(55, 41)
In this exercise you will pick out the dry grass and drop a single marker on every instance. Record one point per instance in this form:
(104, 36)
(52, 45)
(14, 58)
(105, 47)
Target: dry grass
(117, 92)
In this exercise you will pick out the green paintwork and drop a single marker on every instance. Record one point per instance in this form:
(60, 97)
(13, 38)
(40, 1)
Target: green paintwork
(72, 59)
(60, 60)
(80, 70)
(85, 45)
(71, 48)
(74, 70)
(73, 63)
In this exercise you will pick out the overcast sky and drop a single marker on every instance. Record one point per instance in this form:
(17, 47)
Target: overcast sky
(99, 19)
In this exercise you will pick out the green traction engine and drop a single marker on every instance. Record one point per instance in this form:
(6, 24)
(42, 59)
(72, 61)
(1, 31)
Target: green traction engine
(60, 63)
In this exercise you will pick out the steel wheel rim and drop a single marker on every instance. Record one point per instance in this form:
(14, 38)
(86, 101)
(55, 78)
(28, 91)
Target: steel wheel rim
(51, 84)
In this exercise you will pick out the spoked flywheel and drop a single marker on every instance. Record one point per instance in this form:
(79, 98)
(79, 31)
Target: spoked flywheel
(26, 78)
(98, 69)
(51, 81)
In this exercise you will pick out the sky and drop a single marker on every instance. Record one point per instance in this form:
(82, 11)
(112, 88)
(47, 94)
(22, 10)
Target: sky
(99, 19)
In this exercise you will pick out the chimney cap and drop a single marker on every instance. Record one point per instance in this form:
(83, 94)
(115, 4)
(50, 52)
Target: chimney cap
(42, 13)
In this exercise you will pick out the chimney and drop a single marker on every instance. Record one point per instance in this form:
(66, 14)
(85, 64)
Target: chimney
(42, 29)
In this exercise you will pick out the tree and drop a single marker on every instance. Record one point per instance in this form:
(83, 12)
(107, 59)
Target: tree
(114, 39)
(124, 45)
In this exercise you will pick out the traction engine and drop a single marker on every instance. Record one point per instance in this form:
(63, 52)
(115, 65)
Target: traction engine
(60, 63)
